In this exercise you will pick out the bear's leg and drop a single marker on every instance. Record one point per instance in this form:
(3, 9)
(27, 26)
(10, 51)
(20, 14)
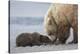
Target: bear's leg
(62, 39)
(75, 38)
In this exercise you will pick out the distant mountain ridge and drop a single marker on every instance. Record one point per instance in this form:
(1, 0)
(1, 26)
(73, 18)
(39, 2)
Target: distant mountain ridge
(26, 20)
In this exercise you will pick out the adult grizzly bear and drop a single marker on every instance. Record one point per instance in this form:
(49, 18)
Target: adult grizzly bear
(58, 21)
(31, 39)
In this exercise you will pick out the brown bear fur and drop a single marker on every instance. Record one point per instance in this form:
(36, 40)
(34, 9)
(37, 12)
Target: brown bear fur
(59, 19)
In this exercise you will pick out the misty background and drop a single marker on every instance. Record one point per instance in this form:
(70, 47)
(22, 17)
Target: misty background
(27, 13)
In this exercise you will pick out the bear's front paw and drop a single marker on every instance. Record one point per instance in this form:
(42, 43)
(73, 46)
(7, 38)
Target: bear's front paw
(73, 42)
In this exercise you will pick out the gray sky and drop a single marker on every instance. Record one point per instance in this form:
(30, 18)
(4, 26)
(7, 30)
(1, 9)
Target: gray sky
(28, 9)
